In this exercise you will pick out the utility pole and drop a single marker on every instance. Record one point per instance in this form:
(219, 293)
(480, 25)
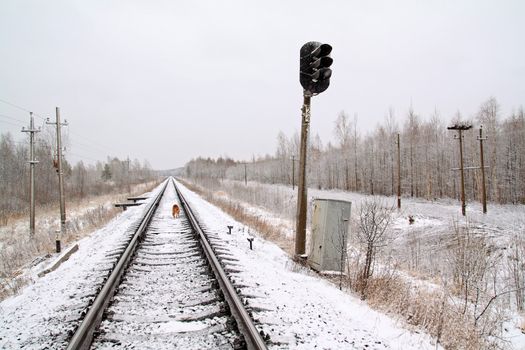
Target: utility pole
(460, 128)
(127, 177)
(32, 163)
(60, 173)
(398, 173)
(483, 189)
(302, 195)
(245, 175)
(293, 172)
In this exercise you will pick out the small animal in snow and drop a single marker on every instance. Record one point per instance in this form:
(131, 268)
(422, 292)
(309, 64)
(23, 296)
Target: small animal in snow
(175, 211)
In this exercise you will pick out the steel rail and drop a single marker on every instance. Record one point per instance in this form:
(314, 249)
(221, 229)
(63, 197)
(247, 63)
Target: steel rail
(83, 336)
(245, 323)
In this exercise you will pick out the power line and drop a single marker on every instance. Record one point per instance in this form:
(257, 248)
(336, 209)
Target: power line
(83, 157)
(14, 105)
(21, 108)
(12, 118)
(87, 147)
(100, 146)
(11, 123)
(94, 144)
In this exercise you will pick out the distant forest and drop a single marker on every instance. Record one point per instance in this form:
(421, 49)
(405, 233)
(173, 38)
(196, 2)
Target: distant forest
(367, 163)
(80, 180)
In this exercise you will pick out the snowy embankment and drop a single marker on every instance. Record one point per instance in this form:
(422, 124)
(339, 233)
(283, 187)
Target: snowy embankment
(297, 309)
(421, 254)
(43, 315)
(20, 251)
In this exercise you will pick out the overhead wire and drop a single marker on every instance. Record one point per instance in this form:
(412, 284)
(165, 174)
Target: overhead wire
(86, 147)
(11, 123)
(83, 157)
(45, 119)
(15, 105)
(12, 118)
(94, 144)
(21, 108)
(99, 145)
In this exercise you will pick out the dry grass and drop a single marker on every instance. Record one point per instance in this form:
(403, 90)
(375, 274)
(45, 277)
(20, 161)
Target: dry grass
(267, 230)
(429, 310)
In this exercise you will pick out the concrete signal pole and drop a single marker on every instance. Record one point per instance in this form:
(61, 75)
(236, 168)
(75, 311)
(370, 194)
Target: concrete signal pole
(460, 128)
(314, 76)
(302, 191)
(32, 163)
(60, 178)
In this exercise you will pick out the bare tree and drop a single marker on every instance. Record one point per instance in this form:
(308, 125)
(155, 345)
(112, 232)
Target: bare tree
(342, 130)
(79, 178)
(412, 131)
(516, 267)
(374, 221)
(366, 162)
(488, 116)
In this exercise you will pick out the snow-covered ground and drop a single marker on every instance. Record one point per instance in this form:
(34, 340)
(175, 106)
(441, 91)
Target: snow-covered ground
(433, 225)
(19, 251)
(500, 220)
(45, 312)
(421, 247)
(297, 309)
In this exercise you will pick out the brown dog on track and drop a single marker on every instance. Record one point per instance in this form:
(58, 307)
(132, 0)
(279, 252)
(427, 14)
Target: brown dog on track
(175, 211)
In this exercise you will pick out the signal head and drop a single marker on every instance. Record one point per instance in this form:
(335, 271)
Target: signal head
(315, 61)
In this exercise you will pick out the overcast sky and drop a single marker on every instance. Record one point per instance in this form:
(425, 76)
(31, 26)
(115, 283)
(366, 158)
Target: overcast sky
(171, 80)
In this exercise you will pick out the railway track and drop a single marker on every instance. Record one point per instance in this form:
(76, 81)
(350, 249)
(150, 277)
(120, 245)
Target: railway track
(167, 290)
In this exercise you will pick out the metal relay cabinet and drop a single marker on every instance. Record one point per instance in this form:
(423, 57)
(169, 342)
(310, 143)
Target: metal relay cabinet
(330, 227)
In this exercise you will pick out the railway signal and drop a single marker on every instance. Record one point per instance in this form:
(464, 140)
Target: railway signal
(314, 76)
(314, 67)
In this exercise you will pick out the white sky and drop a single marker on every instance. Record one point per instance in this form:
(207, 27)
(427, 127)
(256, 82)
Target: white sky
(171, 80)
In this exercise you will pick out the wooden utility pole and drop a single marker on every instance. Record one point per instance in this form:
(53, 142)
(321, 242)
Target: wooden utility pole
(463, 200)
(127, 176)
(293, 172)
(32, 163)
(483, 189)
(60, 173)
(460, 129)
(302, 191)
(245, 175)
(398, 173)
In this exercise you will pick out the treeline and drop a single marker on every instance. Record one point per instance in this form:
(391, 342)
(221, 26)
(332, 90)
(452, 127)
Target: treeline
(428, 154)
(80, 179)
